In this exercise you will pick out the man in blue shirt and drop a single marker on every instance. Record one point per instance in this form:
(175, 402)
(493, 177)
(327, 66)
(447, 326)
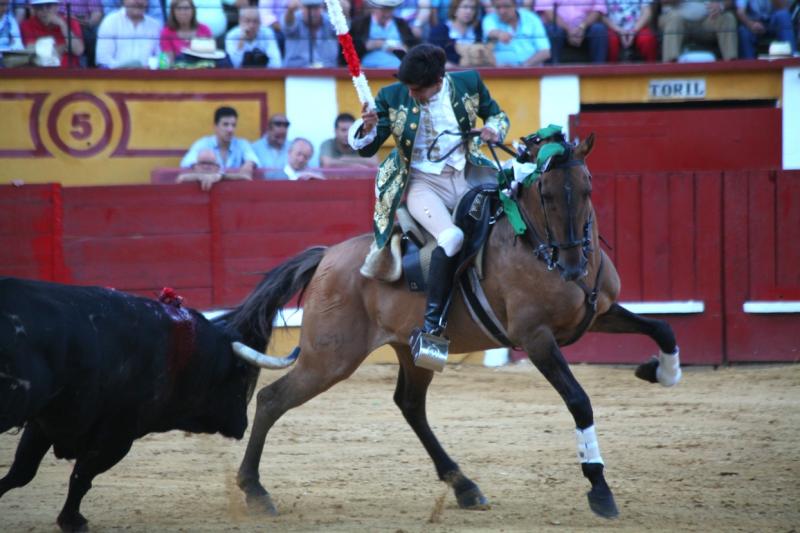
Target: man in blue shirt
(234, 157)
(272, 148)
(767, 18)
(519, 34)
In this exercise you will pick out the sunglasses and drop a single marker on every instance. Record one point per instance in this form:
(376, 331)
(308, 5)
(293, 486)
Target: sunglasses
(280, 123)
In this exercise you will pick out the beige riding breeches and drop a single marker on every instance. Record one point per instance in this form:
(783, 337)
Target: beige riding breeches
(431, 197)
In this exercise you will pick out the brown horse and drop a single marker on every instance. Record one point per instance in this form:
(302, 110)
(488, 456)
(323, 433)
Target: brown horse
(542, 302)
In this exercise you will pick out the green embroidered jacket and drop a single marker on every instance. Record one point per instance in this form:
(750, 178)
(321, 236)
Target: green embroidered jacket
(399, 114)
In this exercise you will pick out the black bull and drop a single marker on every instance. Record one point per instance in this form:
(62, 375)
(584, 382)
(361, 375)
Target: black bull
(88, 370)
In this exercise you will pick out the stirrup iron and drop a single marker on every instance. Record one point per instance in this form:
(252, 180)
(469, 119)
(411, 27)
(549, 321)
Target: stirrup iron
(429, 351)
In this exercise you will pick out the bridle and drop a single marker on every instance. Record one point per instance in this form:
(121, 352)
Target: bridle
(546, 249)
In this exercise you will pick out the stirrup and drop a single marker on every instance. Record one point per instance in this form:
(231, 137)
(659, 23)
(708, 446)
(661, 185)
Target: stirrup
(430, 351)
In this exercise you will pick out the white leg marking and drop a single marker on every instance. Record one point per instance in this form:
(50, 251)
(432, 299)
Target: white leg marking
(669, 372)
(588, 447)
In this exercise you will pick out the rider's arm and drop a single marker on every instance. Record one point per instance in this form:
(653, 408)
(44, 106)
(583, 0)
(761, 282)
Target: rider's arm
(489, 110)
(368, 144)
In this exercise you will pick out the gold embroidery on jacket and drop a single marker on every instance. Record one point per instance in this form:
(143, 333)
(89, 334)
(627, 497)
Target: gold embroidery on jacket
(471, 104)
(386, 172)
(398, 119)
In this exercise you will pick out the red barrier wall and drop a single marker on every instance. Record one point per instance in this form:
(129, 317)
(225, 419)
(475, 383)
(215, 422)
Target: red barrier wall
(761, 263)
(723, 238)
(656, 140)
(664, 230)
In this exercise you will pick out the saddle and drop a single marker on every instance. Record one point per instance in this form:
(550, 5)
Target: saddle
(409, 250)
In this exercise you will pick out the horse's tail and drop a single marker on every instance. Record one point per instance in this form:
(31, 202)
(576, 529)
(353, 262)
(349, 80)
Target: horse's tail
(253, 318)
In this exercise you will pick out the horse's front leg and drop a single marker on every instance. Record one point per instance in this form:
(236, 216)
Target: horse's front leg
(666, 367)
(410, 395)
(543, 351)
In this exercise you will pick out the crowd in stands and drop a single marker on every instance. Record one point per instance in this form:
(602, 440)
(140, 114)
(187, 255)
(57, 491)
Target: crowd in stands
(297, 33)
(224, 156)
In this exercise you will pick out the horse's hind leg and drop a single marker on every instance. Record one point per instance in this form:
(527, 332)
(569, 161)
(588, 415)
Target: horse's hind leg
(410, 396)
(665, 368)
(546, 356)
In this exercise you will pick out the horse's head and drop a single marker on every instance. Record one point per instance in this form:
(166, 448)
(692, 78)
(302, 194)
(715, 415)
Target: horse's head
(561, 201)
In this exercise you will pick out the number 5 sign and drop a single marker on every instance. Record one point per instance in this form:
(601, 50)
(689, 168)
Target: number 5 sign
(80, 124)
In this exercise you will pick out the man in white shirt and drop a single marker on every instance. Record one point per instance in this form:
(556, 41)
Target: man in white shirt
(415, 111)
(296, 168)
(250, 36)
(127, 37)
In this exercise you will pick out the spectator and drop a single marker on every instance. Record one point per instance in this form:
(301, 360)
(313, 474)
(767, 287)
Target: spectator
(233, 156)
(250, 44)
(462, 27)
(211, 13)
(181, 28)
(10, 35)
(576, 24)
(421, 16)
(378, 34)
(310, 37)
(127, 37)
(628, 23)
(46, 22)
(701, 21)
(763, 19)
(519, 35)
(89, 13)
(296, 168)
(272, 149)
(337, 152)
(272, 12)
(154, 8)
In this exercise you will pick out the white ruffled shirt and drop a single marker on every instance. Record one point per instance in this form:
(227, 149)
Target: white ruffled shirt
(435, 117)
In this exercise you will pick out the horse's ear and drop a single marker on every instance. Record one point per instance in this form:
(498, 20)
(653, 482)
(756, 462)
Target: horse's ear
(532, 147)
(585, 147)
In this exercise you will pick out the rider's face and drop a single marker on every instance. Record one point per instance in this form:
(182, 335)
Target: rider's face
(423, 94)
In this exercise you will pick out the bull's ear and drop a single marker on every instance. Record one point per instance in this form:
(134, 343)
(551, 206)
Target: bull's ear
(585, 147)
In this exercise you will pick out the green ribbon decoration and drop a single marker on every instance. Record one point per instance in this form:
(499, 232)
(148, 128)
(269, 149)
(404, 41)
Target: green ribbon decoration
(506, 176)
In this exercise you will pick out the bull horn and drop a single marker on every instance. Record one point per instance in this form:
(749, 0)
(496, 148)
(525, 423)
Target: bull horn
(256, 358)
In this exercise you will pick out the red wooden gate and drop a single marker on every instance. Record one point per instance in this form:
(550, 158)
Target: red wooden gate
(762, 266)
(664, 230)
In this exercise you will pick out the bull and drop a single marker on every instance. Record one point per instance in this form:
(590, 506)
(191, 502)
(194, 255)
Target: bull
(88, 370)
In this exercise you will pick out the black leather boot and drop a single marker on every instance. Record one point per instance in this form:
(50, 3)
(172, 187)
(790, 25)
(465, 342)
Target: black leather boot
(440, 284)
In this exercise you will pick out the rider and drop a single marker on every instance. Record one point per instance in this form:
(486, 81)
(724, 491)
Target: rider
(424, 104)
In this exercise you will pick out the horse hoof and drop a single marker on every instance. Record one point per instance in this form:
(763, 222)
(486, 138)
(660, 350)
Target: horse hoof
(473, 500)
(71, 523)
(602, 504)
(261, 504)
(647, 371)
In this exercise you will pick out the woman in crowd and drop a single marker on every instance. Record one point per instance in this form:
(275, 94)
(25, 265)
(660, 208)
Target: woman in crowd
(628, 23)
(462, 27)
(181, 28)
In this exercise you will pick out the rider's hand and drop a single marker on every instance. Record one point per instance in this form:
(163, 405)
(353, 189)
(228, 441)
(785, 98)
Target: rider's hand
(370, 118)
(489, 135)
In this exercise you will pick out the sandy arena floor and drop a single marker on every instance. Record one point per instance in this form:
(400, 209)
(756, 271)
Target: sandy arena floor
(717, 453)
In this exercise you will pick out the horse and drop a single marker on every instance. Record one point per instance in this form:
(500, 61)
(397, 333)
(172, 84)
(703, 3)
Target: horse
(546, 289)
